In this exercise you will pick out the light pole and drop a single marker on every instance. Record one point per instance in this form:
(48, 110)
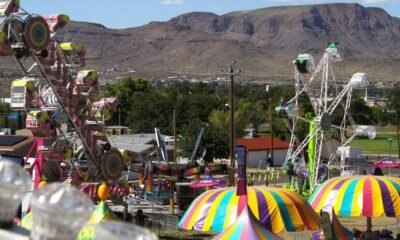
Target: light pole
(390, 140)
(270, 124)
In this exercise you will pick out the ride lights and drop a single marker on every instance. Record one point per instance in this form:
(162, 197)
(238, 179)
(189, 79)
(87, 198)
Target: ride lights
(15, 182)
(122, 231)
(59, 211)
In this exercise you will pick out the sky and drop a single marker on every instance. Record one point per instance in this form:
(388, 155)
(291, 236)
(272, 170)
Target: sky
(133, 13)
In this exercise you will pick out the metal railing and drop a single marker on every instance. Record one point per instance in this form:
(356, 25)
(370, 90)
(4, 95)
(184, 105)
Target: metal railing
(156, 206)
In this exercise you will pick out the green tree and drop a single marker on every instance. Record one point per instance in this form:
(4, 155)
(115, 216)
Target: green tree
(214, 141)
(125, 91)
(219, 119)
(361, 112)
(382, 115)
(253, 112)
(150, 110)
(393, 106)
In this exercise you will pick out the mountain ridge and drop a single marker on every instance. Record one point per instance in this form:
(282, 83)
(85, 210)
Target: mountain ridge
(263, 41)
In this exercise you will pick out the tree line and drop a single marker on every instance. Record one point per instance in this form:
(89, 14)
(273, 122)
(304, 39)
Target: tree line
(144, 106)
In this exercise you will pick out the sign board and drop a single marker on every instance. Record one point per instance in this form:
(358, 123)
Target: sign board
(240, 155)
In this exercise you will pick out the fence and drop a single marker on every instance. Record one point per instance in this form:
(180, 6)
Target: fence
(392, 224)
(163, 224)
(269, 176)
(158, 218)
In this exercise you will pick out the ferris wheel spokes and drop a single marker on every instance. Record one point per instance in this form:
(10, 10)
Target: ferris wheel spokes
(325, 96)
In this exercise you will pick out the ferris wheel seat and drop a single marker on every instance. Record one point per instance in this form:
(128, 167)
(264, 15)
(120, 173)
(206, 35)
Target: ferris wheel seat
(8, 6)
(359, 80)
(22, 94)
(74, 53)
(87, 78)
(304, 63)
(110, 103)
(5, 46)
(57, 22)
(366, 130)
(71, 48)
(333, 54)
(286, 110)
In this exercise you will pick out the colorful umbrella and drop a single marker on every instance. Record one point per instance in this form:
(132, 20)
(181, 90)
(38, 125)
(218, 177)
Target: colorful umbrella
(276, 208)
(207, 181)
(101, 213)
(369, 196)
(387, 163)
(246, 227)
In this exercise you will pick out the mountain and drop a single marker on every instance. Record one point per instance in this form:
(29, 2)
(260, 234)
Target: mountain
(264, 42)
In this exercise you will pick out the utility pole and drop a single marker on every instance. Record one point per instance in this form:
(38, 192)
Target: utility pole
(270, 123)
(175, 137)
(230, 71)
(270, 127)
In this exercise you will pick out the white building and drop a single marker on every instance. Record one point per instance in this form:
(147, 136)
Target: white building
(258, 150)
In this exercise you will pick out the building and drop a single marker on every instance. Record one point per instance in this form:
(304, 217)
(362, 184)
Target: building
(258, 150)
(17, 145)
(141, 147)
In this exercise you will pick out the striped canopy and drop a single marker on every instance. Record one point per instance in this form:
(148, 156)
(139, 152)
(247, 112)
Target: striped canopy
(369, 196)
(339, 231)
(275, 208)
(246, 227)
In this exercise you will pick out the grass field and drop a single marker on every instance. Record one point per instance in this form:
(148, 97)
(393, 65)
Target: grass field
(380, 145)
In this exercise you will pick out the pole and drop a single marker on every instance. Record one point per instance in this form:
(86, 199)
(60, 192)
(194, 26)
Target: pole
(271, 129)
(232, 118)
(171, 197)
(390, 140)
(119, 115)
(398, 134)
(231, 168)
(175, 136)
(369, 224)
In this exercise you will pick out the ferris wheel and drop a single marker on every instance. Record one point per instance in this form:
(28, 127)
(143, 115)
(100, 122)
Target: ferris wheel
(325, 95)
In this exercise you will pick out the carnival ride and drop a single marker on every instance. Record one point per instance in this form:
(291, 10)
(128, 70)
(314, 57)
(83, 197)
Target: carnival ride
(325, 95)
(53, 85)
(159, 177)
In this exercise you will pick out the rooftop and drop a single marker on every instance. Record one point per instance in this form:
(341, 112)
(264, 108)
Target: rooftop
(261, 143)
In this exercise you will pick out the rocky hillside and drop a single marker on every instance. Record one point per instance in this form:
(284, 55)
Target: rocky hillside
(263, 41)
